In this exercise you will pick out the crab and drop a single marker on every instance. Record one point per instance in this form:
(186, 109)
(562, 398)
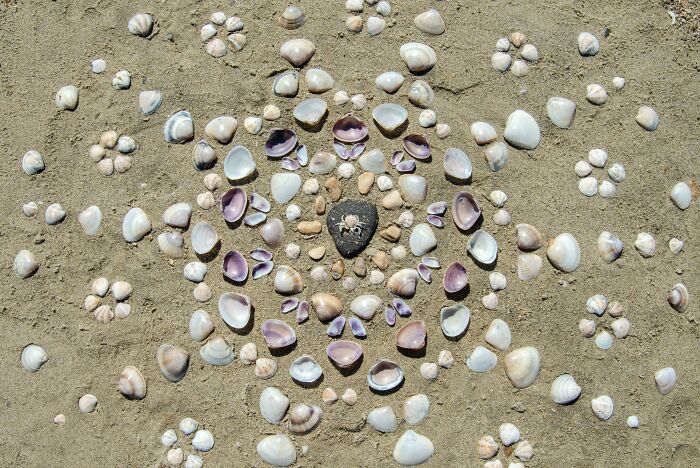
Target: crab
(350, 223)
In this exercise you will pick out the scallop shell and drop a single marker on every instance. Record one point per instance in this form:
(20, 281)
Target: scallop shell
(522, 366)
(172, 362)
(292, 18)
(217, 352)
(565, 390)
(417, 56)
(297, 51)
(305, 370)
(33, 357)
(150, 101)
(602, 407)
(430, 22)
(481, 360)
(132, 384)
(265, 368)
(304, 418)
(141, 24)
(609, 246)
(678, 297)
(179, 127)
(454, 320)
(665, 380)
(564, 253)
(135, 225)
(384, 375)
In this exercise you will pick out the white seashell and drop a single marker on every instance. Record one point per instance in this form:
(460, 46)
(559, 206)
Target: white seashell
(383, 8)
(67, 98)
(106, 167)
(405, 219)
(564, 390)
(486, 447)
(121, 290)
(221, 128)
(481, 360)
(122, 310)
(389, 117)
(286, 84)
(271, 112)
(442, 130)
(384, 183)
(54, 214)
(454, 320)
(297, 51)
(383, 419)
(103, 314)
(376, 277)
(109, 139)
(204, 238)
(122, 80)
(524, 451)
(490, 301)
(359, 101)
(632, 422)
(597, 304)
(519, 68)
(188, 426)
(675, 245)
(595, 94)
(430, 22)
(413, 449)
(529, 266)
(126, 144)
(87, 403)
(179, 127)
(609, 246)
(90, 219)
(98, 66)
(415, 408)
(288, 280)
(135, 225)
(620, 327)
(483, 133)
(398, 253)
(293, 212)
(422, 240)
(174, 457)
(132, 384)
(217, 352)
(91, 302)
(375, 25)
(236, 41)
(207, 32)
(607, 189)
(235, 310)
(522, 366)
(203, 441)
(496, 464)
(647, 118)
(497, 281)
(30, 209)
(178, 215)
(498, 335)
(239, 164)
(413, 188)
(564, 253)
(319, 274)
(373, 161)
(292, 251)
(216, 48)
(502, 218)
(354, 23)
(277, 450)
(582, 169)
(427, 118)
(292, 18)
(598, 157)
(322, 163)
(233, 23)
(305, 370)
(417, 56)
(273, 405)
(457, 164)
(445, 359)
(122, 163)
(100, 286)
(588, 44)
(366, 306)
(33, 357)
(617, 172)
(681, 195)
(168, 438)
(561, 111)
(200, 325)
(311, 186)
(248, 353)
(602, 407)
(498, 198)
(340, 98)
(318, 80)
(206, 200)
(503, 44)
(522, 130)
(508, 433)
(389, 81)
(665, 380)
(500, 61)
(253, 125)
(645, 244)
(141, 24)
(346, 171)
(604, 340)
(482, 247)
(32, 162)
(529, 52)
(311, 111)
(421, 94)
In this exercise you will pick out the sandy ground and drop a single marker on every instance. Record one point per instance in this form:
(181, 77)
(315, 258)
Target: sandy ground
(46, 45)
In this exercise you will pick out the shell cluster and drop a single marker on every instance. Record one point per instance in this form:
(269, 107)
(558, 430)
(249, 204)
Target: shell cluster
(110, 142)
(619, 328)
(95, 302)
(193, 439)
(502, 60)
(232, 26)
(589, 185)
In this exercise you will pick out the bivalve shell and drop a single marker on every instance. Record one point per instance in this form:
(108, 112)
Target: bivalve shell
(292, 18)
(277, 450)
(564, 253)
(454, 320)
(384, 375)
(305, 370)
(481, 360)
(565, 390)
(135, 225)
(179, 127)
(33, 357)
(141, 24)
(522, 130)
(172, 362)
(679, 297)
(609, 246)
(304, 418)
(217, 352)
(413, 449)
(273, 405)
(417, 56)
(561, 111)
(430, 22)
(235, 309)
(132, 384)
(602, 407)
(522, 366)
(665, 380)
(297, 51)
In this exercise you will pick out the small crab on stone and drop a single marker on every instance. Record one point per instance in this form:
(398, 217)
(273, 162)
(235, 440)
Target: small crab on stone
(350, 223)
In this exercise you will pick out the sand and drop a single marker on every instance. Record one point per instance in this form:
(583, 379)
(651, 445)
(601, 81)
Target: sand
(46, 45)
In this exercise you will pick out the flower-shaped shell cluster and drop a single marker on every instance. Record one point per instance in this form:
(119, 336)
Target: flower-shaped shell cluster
(193, 438)
(509, 435)
(502, 60)
(597, 305)
(375, 23)
(110, 140)
(95, 301)
(215, 46)
(589, 184)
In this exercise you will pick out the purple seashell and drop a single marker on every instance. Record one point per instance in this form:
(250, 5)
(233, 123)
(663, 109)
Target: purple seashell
(455, 278)
(261, 269)
(341, 151)
(260, 255)
(350, 129)
(357, 150)
(335, 328)
(289, 305)
(417, 146)
(412, 335)
(431, 262)
(465, 210)
(277, 334)
(260, 203)
(302, 155)
(390, 315)
(303, 311)
(437, 208)
(289, 164)
(436, 220)
(401, 307)
(344, 353)
(254, 219)
(406, 166)
(233, 204)
(396, 158)
(280, 142)
(357, 328)
(235, 267)
(425, 273)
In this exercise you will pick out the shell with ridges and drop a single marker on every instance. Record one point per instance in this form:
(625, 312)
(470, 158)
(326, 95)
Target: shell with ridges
(132, 384)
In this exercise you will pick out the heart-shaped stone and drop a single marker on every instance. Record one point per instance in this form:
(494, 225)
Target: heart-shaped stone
(352, 224)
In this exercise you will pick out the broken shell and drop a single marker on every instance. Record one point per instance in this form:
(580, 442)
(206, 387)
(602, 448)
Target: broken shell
(235, 309)
(417, 56)
(486, 447)
(384, 375)
(200, 325)
(217, 352)
(498, 335)
(179, 127)
(305, 370)
(561, 111)
(421, 94)
(602, 407)
(32, 162)
(204, 238)
(588, 44)
(465, 210)
(172, 362)
(141, 24)
(609, 246)
(522, 366)
(67, 98)
(277, 450)
(413, 449)
(455, 278)
(454, 320)
(496, 155)
(132, 384)
(564, 253)
(665, 380)
(678, 297)
(411, 336)
(564, 390)
(647, 118)
(292, 18)
(297, 51)
(522, 131)
(524, 450)
(326, 306)
(389, 82)
(344, 353)
(457, 164)
(403, 283)
(33, 357)
(482, 247)
(595, 94)
(430, 22)
(481, 360)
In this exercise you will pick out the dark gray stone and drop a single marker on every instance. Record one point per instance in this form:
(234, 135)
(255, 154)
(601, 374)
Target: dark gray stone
(349, 243)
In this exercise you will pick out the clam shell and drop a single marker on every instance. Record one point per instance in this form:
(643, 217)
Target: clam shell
(620, 327)
(172, 362)
(132, 384)
(389, 82)
(681, 195)
(522, 366)
(564, 253)
(221, 128)
(389, 117)
(522, 130)
(609, 246)
(171, 244)
(411, 336)
(465, 210)
(217, 352)
(326, 306)
(366, 306)
(288, 280)
(204, 238)
(481, 360)
(297, 51)
(277, 334)
(403, 283)
(417, 146)
(195, 272)
(179, 127)
(413, 188)
(421, 94)
(67, 98)
(273, 405)
(496, 155)
(235, 267)
(280, 142)
(272, 232)
(122, 80)
(141, 24)
(32, 162)
(33, 357)
(150, 101)
(645, 244)
(602, 407)
(318, 80)
(291, 18)
(277, 450)
(679, 297)
(565, 390)
(383, 419)
(483, 132)
(665, 380)
(561, 111)
(528, 237)
(596, 94)
(322, 163)
(216, 48)
(455, 278)
(135, 225)
(311, 111)
(415, 408)
(335, 328)
(482, 247)
(265, 368)
(375, 25)
(286, 84)
(529, 266)
(647, 118)
(373, 161)
(498, 335)
(178, 215)
(417, 56)
(422, 240)
(238, 164)
(350, 129)
(90, 220)
(486, 447)
(457, 165)
(454, 320)
(54, 214)
(588, 44)
(284, 186)
(344, 354)
(200, 325)
(87, 403)
(202, 441)
(233, 204)
(413, 449)
(305, 370)
(235, 309)
(384, 375)
(430, 22)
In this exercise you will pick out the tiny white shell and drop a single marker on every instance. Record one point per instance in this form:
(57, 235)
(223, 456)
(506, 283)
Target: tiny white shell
(389, 81)
(188, 426)
(647, 118)
(32, 162)
(645, 244)
(122, 79)
(519, 68)
(33, 357)
(54, 214)
(498, 335)
(90, 219)
(508, 433)
(604, 340)
(416, 408)
(565, 390)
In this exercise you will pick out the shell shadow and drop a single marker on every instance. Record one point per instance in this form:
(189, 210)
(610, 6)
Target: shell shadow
(235, 224)
(348, 371)
(211, 255)
(457, 181)
(459, 295)
(313, 384)
(393, 134)
(414, 353)
(314, 128)
(279, 352)
(249, 326)
(475, 227)
(389, 391)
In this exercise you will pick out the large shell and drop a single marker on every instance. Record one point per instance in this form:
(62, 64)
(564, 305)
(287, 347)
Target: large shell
(455, 278)
(465, 210)
(277, 334)
(389, 117)
(412, 335)
(179, 127)
(602, 407)
(305, 370)
(135, 225)
(132, 384)
(678, 297)
(522, 366)
(413, 449)
(413, 188)
(297, 51)
(565, 390)
(508, 433)
(292, 18)
(454, 320)
(383, 419)
(204, 238)
(417, 56)
(344, 354)
(522, 130)
(304, 418)
(172, 362)
(665, 380)
(277, 450)
(286, 84)
(217, 352)
(483, 247)
(417, 146)
(384, 375)
(33, 357)
(457, 165)
(564, 253)
(273, 405)
(430, 22)
(235, 309)
(609, 246)
(403, 283)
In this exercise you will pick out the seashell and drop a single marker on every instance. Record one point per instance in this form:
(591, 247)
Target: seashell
(498, 198)
(607, 189)
(564, 253)
(457, 165)
(500, 61)
(445, 359)
(417, 56)
(597, 304)
(490, 301)
(482, 247)
(103, 314)
(675, 245)
(54, 214)
(100, 286)
(235, 309)
(171, 244)
(297, 51)
(272, 232)
(33, 357)
(422, 240)
(383, 419)
(206, 200)
(252, 124)
(561, 111)
(389, 82)
(67, 98)
(150, 101)
(632, 422)
(178, 215)
(602, 407)
(207, 32)
(304, 418)
(346, 171)
(200, 325)
(343, 353)
(486, 447)
(238, 164)
(135, 225)
(681, 195)
(349, 129)
(277, 450)
(284, 186)
(403, 283)
(248, 353)
(645, 244)
(122, 80)
(498, 335)
(172, 362)
(305, 370)
(277, 334)
(30, 209)
(522, 130)
(598, 157)
(132, 384)
(465, 210)
(620, 327)
(292, 18)
(430, 22)
(522, 366)
(413, 449)
(582, 169)
(273, 405)
(122, 310)
(678, 297)
(588, 44)
(427, 118)
(413, 188)
(373, 161)
(233, 204)
(106, 167)
(288, 280)
(174, 457)
(508, 433)
(497, 281)
(87, 403)
(98, 66)
(604, 340)
(529, 52)
(217, 352)
(179, 127)
(481, 360)
(411, 336)
(595, 94)
(365, 306)
(318, 80)
(326, 306)
(126, 144)
(204, 238)
(286, 84)
(609, 246)
(216, 48)
(421, 94)
(384, 375)
(202, 292)
(383, 8)
(417, 146)
(455, 278)
(141, 24)
(618, 83)
(202, 441)
(358, 330)
(496, 155)
(375, 25)
(335, 328)
(529, 266)
(122, 163)
(524, 451)
(519, 68)
(389, 117)
(32, 162)
(503, 44)
(565, 390)
(271, 112)
(168, 438)
(617, 172)
(354, 24)
(265, 368)
(221, 128)
(442, 130)
(233, 24)
(528, 237)
(483, 133)
(665, 380)
(415, 408)
(647, 118)
(322, 163)
(454, 320)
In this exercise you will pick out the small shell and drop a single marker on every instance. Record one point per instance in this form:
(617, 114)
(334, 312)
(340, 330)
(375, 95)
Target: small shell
(141, 24)
(604, 340)
(675, 245)
(178, 215)
(498, 198)
(383, 419)
(445, 359)
(271, 112)
(497, 281)
(609, 246)
(529, 266)
(383, 8)
(582, 169)
(466, 210)
(132, 383)
(217, 352)
(678, 297)
(561, 111)
(318, 80)
(529, 52)
(200, 325)
(565, 390)
(403, 283)
(305, 370)
(620, 327)
(681, 195)
(384, 375)
(103, 314)
(524, 451)
(486, 447)
(121, 290)
(248, 353)
(597, 304)
(100, 286)
(422, 240)
(366, 306)
(288, 280)
(265, 368)
(617, 172)
(519, 68)
(498, 335)
(87, 403)
(297, 51)
(252, 124)
(172, 362)
(168, 438)
(483, 133)
(481, 360)
(411, 336)
(632, 422)
(207, 32)
(430, 22)
(273, 405)
(442, 130)
(30, 209)
(292, 18)
(564, 253)
(238, 164)
(203, 441)
(33, 357)
(647, 118)
(286, 84)
(598, 157)
(645, 244)
(602, 407)
(221, 128)
(528, 237)
(326, 306)
(500, 61)
(417, 56)
(304, 418)
(171, 244)
(32, 162)
(665, 380)
(67, 98)
(413, 449)
(389, 81)
(233, 24)
(503, 44)
(375, 25)
(427, 118)
(508, 433)
(421, 94)
(216, 48)
(178, 128)
(607, 189)
(98, 66)
(517, 39)
(522, 366)
(122, 80)
(354, 23)
(588, 44)
(454, 320)
(389, 117)
(415, 408)
(595, 94)
(496, 155)
(54, 214)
